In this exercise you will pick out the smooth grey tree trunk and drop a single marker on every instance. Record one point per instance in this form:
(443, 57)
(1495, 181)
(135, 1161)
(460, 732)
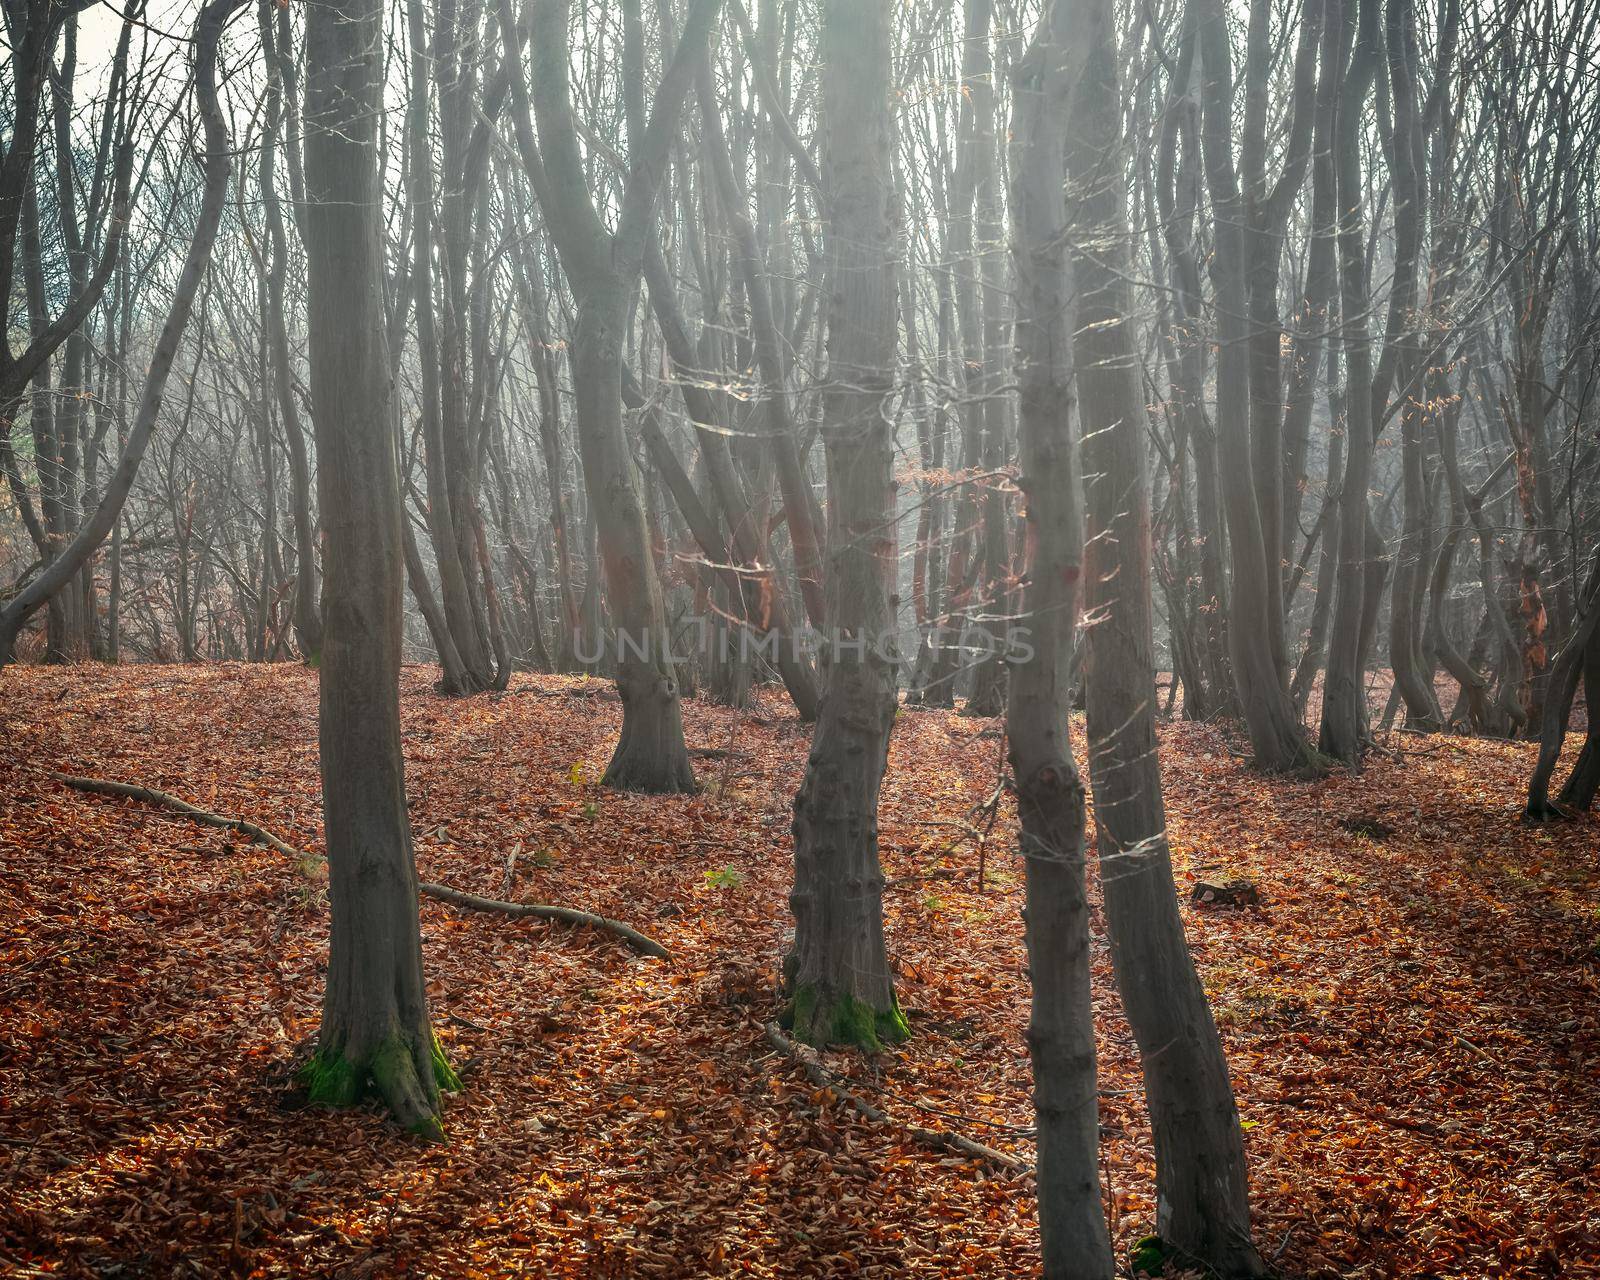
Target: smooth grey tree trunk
(1050, 797)
(840, 988)
(1276, 738)
(604, 269)
(1344, 709)
(375, 1034)
(307, 607)
(1202, 1209)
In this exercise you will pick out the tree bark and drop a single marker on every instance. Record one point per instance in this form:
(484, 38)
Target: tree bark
(1344, 709)
(840, 988)
(1276, 738)
(1202, 1200)
(307, 609)
(1050, 799)
(1578, 659)
(375, 1034)
(603, 270)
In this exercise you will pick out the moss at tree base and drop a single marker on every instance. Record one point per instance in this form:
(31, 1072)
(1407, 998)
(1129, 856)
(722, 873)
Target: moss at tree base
(390, 1073)
(443, 1073)
(1148, 1257)
(331, 1081)
(843, 1019)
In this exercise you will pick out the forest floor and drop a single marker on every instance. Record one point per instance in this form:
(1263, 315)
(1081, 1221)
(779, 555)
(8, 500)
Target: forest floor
(1412, 1015)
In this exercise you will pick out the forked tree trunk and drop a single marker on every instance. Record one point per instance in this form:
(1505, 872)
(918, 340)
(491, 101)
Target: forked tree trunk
(1050, 800)
(1276, 738)
(1344, 708)
(650, 755)
(375, 1033)
(840, 988)
(1202, 1207)
(603, 270)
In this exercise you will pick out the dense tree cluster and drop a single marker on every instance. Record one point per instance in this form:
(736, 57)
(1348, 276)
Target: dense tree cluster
(1033, 353)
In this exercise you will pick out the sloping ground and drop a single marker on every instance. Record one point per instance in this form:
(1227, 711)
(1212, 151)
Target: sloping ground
(1411, 1016)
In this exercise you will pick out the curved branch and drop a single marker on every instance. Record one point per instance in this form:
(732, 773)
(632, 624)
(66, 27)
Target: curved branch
(440, 893)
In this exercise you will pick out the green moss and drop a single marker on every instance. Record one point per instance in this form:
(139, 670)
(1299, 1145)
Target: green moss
(443, 1074)
(331, 1081)
(892, 1026)
(335, 1081)
(797, 1013)
(1148, 1257)
(1321, 765)
(845, 1020)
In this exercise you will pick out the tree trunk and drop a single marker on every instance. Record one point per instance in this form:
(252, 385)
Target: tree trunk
(438, 358)
(1344, 708)
(1579, 658)
(307, 610)
(604, 269)
(1276, 737)
(650, 755)
(1402, 356)
(1202, 1208)
(840, 988)
(375, 1031)
(1050, 800)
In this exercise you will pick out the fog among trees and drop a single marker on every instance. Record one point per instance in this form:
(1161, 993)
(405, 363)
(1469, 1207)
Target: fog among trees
(1077, 375)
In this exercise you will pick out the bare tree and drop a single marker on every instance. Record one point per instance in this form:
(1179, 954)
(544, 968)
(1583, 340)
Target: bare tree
(375, 1032)
(603, 269)
(1202, 1204)
(70, 559)
(1050, 796)
(837, 974)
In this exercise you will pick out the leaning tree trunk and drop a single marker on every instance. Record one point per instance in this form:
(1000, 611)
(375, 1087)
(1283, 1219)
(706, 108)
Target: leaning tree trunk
(375, 1030)
(1584, 780)
(64, 568)
(1579, 659)
(1202, 1202)
(1050, 800)
(838, 973)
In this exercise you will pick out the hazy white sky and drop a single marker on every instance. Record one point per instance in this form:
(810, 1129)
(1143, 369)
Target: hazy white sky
(99, 27)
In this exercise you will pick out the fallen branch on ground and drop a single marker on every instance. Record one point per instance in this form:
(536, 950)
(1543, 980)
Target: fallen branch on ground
(571, 915)
(440, 893)
(940, 1140)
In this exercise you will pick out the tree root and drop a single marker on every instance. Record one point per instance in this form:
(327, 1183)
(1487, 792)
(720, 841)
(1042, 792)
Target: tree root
(408, 1080)
(454, 897)
(841, 1018)
(939, 1140)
